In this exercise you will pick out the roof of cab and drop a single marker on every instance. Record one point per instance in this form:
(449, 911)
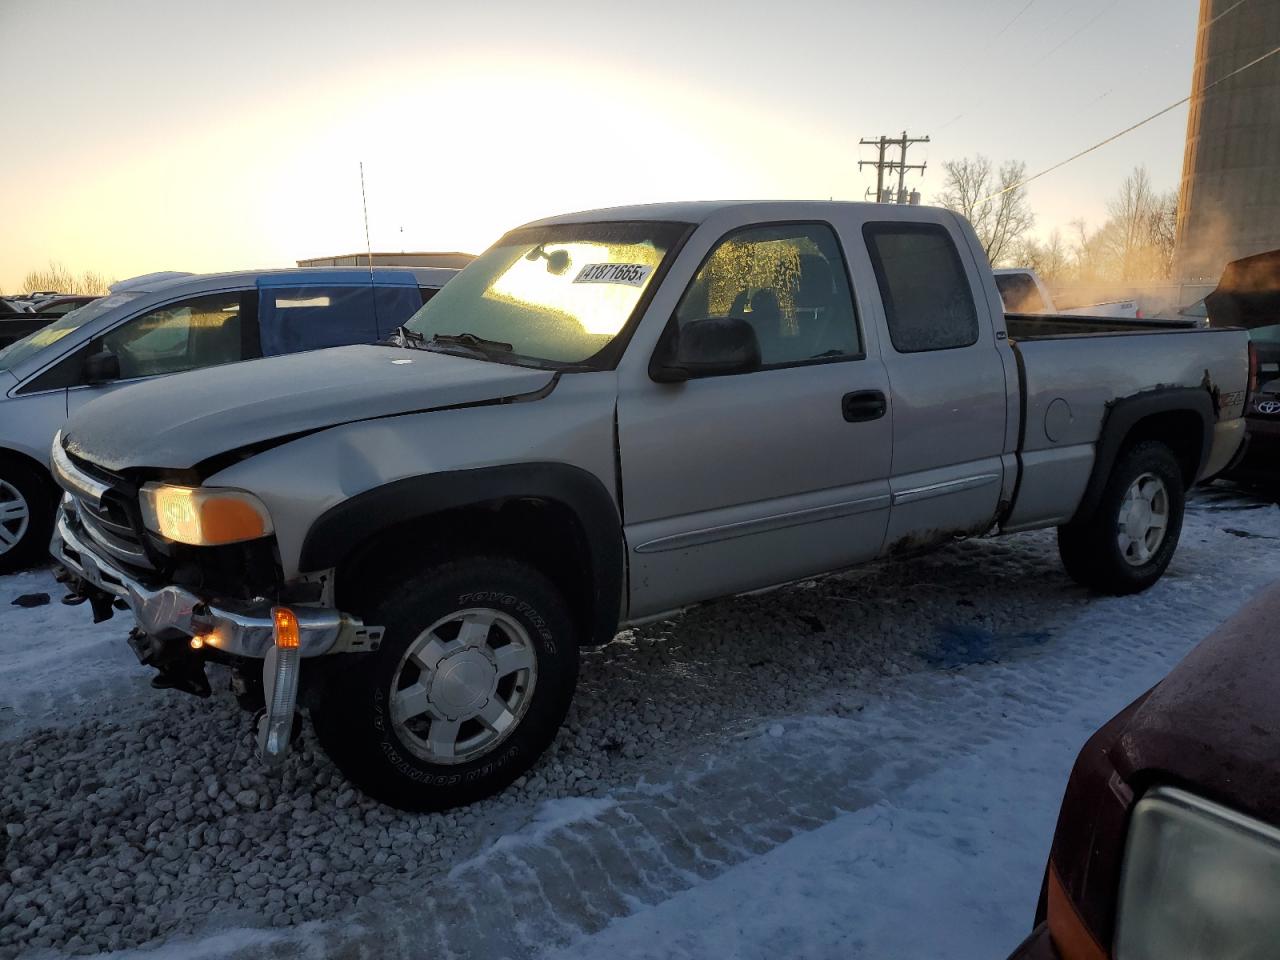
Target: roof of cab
(162, 282)
(694, 211)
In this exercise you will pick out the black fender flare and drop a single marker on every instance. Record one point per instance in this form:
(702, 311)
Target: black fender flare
(1121, 417)
(362, 517)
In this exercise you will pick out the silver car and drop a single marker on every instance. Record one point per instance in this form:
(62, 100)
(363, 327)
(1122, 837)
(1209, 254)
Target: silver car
(164, 324)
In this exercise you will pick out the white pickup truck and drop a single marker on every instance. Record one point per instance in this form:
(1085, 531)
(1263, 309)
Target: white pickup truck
(1023, 291)
(607, 417)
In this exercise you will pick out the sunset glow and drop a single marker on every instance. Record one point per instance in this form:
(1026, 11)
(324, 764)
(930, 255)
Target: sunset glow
(239, 146)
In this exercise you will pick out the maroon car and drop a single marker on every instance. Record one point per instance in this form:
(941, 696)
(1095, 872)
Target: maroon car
(1168, 842)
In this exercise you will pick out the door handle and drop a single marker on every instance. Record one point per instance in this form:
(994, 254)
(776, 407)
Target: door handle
(863, 405)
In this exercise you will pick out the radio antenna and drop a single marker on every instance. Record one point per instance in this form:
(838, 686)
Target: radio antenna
(368, 249)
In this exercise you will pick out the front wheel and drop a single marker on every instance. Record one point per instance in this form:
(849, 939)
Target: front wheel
(1128, 543)
(474, 676)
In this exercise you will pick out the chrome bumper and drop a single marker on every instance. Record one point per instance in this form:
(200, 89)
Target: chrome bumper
(246, 631)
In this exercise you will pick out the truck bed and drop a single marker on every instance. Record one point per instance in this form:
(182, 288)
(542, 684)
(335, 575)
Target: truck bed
(1049, 326)
(1070, 381)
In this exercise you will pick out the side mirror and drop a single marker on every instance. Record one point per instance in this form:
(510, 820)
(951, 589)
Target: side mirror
(708, 348)
(101, 367)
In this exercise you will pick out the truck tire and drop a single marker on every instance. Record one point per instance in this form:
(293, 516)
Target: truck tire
(1127, 544)
(474, 676)
(26, 516)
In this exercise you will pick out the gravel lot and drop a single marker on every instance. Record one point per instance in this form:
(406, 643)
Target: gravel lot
(131, 815)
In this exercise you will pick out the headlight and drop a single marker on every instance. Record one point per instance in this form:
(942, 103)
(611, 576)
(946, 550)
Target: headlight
(1199, 881)
(203, 516)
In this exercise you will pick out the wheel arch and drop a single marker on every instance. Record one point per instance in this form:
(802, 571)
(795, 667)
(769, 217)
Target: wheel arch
(559, 518)
(9, 453)
(54, 492)
(1182, 418)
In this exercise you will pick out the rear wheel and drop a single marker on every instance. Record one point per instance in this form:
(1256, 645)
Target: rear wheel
(26, 516)
(474, 676)
(1128, 543)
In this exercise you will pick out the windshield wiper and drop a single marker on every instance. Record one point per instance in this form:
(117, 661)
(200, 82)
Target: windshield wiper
(471, 341)
(404, 337)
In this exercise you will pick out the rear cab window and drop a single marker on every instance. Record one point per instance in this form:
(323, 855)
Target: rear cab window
(928, 301)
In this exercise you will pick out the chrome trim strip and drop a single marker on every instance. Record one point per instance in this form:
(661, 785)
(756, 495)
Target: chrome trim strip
(931, 490)
(744, 528)
(72, 478)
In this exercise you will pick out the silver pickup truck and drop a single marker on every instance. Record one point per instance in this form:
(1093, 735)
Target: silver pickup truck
(607, 417)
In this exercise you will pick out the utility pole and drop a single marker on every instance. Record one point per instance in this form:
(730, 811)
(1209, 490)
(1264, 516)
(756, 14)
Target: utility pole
(882, 143)
(900, 165)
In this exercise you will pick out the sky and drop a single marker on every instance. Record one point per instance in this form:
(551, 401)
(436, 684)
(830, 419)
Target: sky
(176, 135)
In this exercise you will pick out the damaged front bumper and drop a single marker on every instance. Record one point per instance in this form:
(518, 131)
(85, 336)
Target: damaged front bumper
(248, 630)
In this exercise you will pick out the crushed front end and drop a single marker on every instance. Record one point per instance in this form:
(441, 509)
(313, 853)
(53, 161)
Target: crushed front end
(220, 600)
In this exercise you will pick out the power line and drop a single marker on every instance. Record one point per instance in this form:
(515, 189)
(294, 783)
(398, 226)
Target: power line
(1041, 59)
(1018, 16)
(1096, 17)
(1225, 12)
(1130, 129)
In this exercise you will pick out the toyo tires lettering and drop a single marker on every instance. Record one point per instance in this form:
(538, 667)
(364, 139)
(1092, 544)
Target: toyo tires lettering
(516, 605)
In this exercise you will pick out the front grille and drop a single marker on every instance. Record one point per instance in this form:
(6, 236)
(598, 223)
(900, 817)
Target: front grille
(112, 523)
(109, 526)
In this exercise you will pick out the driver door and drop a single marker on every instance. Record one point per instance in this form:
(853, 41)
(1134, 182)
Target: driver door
(741, 481)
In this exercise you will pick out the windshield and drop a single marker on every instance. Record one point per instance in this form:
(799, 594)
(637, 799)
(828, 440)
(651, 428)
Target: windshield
(1197, 309)
(557, 294)
(20, 350)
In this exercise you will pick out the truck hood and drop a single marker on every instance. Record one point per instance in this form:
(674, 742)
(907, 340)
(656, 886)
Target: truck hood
(177, 422)
(1213, 724)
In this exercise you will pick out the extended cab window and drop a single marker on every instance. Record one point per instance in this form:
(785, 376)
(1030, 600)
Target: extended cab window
(928, 303)
(789, 282)
(200, 332)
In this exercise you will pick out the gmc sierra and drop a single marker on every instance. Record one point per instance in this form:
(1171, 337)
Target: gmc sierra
(607, 417)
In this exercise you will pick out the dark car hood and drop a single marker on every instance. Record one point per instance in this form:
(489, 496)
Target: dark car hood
(1214, 722)
(1248, 294)
(177, 422)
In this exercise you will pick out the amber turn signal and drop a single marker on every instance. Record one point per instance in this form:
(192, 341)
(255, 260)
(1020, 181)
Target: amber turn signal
(286, 628)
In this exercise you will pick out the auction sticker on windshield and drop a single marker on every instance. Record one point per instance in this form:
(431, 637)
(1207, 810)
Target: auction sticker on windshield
(631, 274)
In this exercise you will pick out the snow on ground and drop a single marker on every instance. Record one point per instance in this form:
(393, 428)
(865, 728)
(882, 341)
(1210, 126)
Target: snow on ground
(866, 766)
(53, 661)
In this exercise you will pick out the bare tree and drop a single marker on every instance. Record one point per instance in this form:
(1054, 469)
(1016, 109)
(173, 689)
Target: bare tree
(1051, 259)
(991, 200)
(1164, 233)
(1136, 243)
(1134, 228)
(57, 277)
(1089, 254)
